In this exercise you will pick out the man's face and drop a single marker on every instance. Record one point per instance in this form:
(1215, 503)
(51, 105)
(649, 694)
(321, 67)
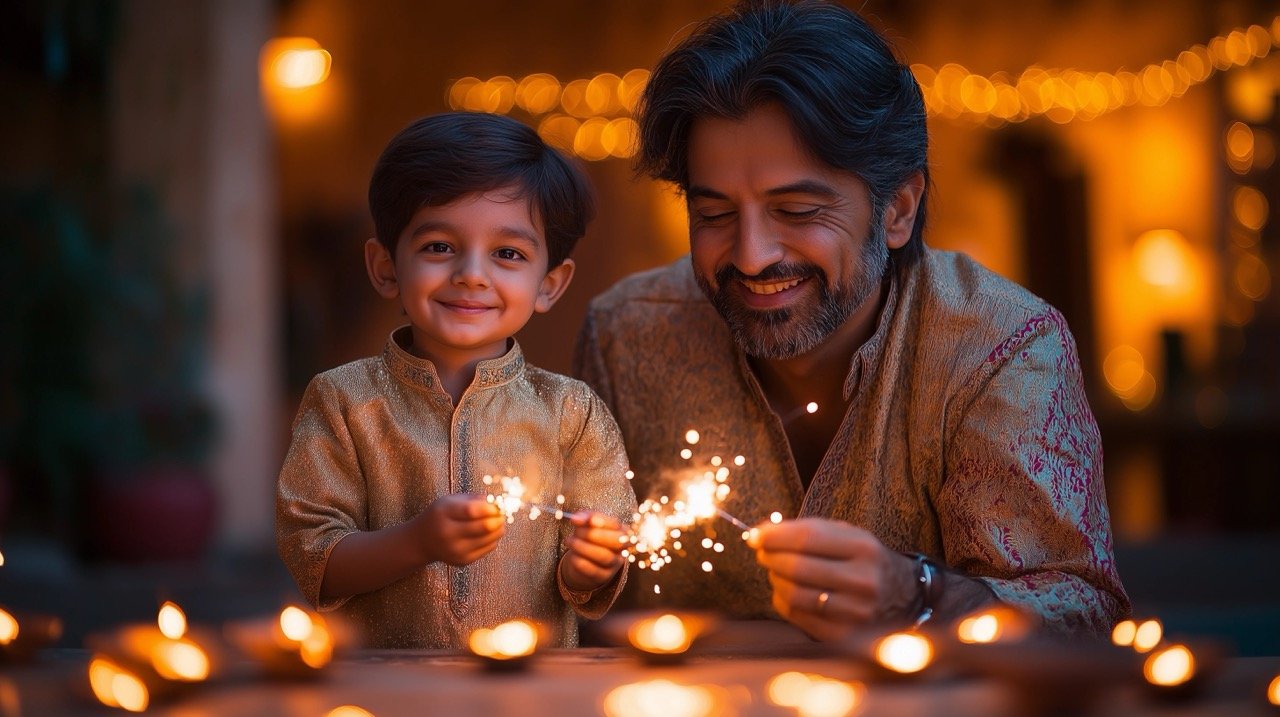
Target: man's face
(785, 247)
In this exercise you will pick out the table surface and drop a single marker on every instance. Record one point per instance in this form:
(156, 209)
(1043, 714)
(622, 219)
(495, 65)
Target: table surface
(572, 682)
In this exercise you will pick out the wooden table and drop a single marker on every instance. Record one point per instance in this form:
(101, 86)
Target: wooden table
(568, 683)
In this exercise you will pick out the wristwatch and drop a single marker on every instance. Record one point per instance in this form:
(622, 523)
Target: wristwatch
(929, 586)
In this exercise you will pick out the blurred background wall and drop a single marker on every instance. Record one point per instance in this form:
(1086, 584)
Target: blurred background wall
(183, 195)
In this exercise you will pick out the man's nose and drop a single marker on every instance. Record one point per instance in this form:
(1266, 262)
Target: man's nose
(471, 269)
(757, 245)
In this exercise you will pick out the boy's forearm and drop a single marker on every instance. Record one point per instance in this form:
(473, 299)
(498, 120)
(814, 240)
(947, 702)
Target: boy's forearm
(366, 561)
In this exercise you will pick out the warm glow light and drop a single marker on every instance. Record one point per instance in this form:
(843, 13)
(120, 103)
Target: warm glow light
(316, 649)
(538, 93)
(692, 437)
(8, 627)
(1170, 666)
(1123, 369)
(1, 558)
(116, 687)
(1163, 258)
(1148, 635)
(775, 517)
(663, 634)
(904, 652)
(1273, 691)
(171, 620)
(348, 711)
(1250, 207)
(180, 660)
(559, 131)
(659, 698)
(298, 62)
(811, 407)
(979, 629)
(830, 698)
(295, 623)
(509, 640)
(1124, 632)
(1252, 276)
(786, 689)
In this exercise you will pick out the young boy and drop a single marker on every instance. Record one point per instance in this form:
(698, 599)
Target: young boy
(379, 505)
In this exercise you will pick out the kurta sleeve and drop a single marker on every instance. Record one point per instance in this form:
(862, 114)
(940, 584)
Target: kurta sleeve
(595, 466)
(320, 493)
(1022, 505)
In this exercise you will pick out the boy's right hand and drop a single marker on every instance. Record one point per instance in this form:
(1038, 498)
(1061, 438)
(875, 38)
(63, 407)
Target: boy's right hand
(459, 529)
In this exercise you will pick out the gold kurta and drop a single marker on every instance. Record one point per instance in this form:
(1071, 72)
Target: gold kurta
(377, 440)
(967, 436)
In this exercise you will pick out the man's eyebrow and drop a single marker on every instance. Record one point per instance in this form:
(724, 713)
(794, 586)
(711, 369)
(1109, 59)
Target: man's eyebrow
(804, 186)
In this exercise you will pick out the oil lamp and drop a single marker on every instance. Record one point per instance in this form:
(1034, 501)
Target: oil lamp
(508, 647)
(296, 643)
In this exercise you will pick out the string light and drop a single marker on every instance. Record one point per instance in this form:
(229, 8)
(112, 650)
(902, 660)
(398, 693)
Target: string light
(591, 117)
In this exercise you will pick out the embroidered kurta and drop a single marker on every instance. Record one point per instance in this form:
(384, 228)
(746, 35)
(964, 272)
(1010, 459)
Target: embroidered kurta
(967, 436)
(378, 440)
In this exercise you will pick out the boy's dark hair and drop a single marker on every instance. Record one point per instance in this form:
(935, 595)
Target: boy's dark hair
(441, 158)
(853, 104)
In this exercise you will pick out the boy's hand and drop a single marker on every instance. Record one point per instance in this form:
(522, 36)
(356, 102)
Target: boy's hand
(593, 552)
(459, 529)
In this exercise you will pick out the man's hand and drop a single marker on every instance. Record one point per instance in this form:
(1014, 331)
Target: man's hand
(830, 577)
(459, 529)
(593, 553)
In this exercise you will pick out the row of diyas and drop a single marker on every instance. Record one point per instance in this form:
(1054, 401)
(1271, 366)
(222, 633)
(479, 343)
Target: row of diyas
(134, 665)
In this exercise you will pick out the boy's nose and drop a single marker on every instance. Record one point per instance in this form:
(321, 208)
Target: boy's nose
(470, 270)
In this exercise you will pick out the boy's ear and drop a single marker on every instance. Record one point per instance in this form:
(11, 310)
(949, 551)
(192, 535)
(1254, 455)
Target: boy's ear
(381, 268)
(900, 215)
(553, 286)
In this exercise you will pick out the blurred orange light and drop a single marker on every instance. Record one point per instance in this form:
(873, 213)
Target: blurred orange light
(1148, 635)
(297, 62)
(904, 652)
(538, 93)
(631, 88)
(1252, 277)
(659, 698)
(588, 143)
(348, 711)
(8, 627)
(1124, 632)
(116, 687)
(573, 99)
(1163, 258)
(1250, 207)
(1170, 667)
(559, 131)
(1273, 691)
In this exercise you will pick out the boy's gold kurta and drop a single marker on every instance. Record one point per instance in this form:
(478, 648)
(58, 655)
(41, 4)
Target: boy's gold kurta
(377, 440)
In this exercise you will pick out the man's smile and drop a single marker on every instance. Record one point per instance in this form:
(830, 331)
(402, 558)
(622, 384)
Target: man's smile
(770, 287)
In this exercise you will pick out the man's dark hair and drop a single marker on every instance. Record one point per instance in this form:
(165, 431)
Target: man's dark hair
(853, 104)
(444, 157)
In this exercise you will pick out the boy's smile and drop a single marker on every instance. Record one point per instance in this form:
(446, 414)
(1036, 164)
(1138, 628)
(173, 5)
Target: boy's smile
(470, 274)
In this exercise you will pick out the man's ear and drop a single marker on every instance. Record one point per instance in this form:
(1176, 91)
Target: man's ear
(381, 268)
(900, 215)
(553, 286)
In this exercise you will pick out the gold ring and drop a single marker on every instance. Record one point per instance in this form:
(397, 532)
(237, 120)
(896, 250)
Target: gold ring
(823, 597)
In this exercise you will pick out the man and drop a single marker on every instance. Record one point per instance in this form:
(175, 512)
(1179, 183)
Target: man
(952, 461)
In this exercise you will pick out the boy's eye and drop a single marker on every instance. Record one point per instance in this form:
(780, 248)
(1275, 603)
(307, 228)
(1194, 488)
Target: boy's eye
(508, 254)
(437, 247)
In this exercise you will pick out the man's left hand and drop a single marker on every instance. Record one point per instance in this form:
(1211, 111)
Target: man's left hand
(831, 577)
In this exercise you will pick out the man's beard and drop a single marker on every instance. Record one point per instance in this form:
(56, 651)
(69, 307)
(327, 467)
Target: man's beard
(790, 332)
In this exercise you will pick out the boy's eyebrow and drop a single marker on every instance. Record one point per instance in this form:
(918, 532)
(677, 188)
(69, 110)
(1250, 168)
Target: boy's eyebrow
(804, 186)
(511, 232)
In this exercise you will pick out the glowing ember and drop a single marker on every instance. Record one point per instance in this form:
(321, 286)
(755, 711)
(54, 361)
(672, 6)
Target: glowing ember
(8, 628)
(664, 634)
(659, 698)
(180, 660)
(348, 711)
(904, 652)
(1170, 667)
(172, 621)
(1124, 632)
(295, 623)
(116, 687)
(1148, 635)
(815, 695)
(509, 640)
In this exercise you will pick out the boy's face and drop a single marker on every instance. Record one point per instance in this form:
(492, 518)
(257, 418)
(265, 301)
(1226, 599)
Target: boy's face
(469, 274)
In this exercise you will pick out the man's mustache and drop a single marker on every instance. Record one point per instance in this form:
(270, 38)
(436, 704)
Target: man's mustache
(774, 272)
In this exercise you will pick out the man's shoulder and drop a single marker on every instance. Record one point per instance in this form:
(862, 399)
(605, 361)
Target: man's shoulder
(958, 291)
(670, 284)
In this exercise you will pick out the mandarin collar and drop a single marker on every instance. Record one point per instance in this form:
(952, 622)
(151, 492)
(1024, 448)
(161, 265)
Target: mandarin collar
(422, 372)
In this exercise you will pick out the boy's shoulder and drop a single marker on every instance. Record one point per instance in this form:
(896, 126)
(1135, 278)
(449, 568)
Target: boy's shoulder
(359, 376)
